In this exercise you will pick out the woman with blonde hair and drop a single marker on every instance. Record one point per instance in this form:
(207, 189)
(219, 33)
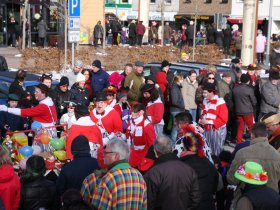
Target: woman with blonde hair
(9, 181)
(176, 101)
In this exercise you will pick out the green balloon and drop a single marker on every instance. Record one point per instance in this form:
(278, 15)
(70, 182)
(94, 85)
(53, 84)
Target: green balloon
(57, 144)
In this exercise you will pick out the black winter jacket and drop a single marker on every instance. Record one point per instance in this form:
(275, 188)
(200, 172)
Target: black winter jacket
(172, 184)
(207, 178)
(177, 102)
(132, 30)
(79, 95)
(244, 99)
(73, 174)
(39, 193)
(59, 99)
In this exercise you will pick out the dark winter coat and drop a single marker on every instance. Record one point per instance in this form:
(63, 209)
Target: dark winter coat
(244, 99)
(190, 31)
(98, 31)
(115, 26)
(176, 98)
(79, 95)
(207, 178)
(39, 193)
(3, 64)
(259, 198)
(211, 35)
(270, 95)
(227, 37)
(59, 99)
(99, 81)
(17, 89)
(219, 38)
(73, 174)
(172, 184)
(132, 30)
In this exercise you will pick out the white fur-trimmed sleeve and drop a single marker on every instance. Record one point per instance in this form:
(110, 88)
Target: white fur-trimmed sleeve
(15, 111)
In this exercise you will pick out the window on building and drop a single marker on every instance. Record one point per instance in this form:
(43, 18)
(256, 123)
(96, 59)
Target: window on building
(110, 1)
(168, 1)
(207, 1)
(187, 1)
(223, 1)
(152, 1)
(125, 1)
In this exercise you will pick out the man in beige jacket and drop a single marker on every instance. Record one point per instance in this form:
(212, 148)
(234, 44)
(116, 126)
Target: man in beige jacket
(260, 151)
(189, 87)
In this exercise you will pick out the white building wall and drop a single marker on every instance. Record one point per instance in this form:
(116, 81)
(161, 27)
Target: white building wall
(263, 12)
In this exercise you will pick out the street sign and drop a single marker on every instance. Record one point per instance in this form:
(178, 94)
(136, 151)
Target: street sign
(73, 36)
(74, 8)
(74, 23)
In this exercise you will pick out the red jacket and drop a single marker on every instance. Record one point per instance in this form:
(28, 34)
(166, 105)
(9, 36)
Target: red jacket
(140, 29)
(9, 187)
(44, 112)
(161, 80)
(215, 111)
(84, 126)
(142, 136)
(155, 111)
(110, 120)
(88, 86)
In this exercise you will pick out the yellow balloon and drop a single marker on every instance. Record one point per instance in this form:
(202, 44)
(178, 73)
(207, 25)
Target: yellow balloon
(60, 154)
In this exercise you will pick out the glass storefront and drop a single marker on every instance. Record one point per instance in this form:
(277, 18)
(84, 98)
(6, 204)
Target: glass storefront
(50, 10)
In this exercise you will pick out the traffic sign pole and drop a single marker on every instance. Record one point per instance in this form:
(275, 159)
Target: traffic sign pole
(74, 12)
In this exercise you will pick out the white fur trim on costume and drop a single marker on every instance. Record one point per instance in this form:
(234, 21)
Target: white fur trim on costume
(107, 110)
(84, 121)
(15, 111)
(154, 102)
(47, 101)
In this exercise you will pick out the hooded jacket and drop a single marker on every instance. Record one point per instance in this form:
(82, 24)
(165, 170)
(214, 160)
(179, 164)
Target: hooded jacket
(9, 187)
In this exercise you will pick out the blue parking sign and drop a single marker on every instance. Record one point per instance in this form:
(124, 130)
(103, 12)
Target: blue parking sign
(74, 8)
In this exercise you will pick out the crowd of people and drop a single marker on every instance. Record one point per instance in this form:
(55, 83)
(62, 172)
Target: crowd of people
(154, 142)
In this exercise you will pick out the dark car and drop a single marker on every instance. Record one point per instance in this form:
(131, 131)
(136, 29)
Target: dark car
(184, 68)
(7, 78)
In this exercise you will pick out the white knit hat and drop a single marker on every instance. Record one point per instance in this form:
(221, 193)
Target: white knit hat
(80, 77)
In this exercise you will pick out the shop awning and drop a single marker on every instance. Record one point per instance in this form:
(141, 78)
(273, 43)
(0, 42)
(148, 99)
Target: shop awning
(239, 20)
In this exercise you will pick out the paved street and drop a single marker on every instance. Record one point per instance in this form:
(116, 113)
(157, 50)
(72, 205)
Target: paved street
(9, 53)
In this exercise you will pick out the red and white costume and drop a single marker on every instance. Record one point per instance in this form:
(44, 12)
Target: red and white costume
(216, 113)
(118, 108)
(112, 103)
(85, 126)
(44, 112)
(140, 136)
(155, 111)
(109, 123)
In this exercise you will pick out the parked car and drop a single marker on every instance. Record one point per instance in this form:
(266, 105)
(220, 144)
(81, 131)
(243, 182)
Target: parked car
(7, 77)
(184, 68)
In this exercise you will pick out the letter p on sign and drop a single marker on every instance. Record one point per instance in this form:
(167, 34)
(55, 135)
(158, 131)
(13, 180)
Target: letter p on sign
(74, 8)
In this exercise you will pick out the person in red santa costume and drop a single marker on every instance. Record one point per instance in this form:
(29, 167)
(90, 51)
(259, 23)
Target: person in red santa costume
(44, 113)
(155, 107)
(140, 136)
(84, 126)
(107, 119)
(111, 95)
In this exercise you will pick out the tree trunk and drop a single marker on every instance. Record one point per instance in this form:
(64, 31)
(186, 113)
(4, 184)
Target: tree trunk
(24, 24)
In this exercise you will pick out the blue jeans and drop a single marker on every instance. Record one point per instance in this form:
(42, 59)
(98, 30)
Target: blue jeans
(173, 134)
(193, 114)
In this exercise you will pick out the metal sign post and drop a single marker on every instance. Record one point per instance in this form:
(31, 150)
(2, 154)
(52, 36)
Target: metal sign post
(74, 12)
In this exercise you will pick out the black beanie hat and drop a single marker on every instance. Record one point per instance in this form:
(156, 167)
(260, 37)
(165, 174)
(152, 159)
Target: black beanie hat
(245, 78)
(82, 110)
(96, 63)
(274, 75)
(80, 145)
(64, 81)
(36, 165)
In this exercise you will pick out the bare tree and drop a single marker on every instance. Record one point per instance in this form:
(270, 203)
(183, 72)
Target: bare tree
(161, 8)
(24, 24)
